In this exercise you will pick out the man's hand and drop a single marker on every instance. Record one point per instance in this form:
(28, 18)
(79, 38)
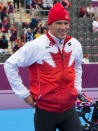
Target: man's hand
(83, 98)
(29, 100)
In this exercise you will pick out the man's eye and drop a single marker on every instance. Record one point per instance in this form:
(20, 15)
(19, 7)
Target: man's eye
(59, 23)
(66, 23)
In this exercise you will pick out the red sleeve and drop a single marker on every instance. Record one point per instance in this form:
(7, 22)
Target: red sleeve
(81, 10)
(69, 4)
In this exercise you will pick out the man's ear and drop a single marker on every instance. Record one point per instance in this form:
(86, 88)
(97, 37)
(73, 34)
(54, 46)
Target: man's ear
(48, 26)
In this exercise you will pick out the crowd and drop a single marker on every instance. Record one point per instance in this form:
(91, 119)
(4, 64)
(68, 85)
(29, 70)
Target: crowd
(31, 30)
(87, 11)
(90, 13)
(45, 4)
(37, 26)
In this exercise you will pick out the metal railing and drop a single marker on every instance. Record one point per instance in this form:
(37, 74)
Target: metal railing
(22, 18)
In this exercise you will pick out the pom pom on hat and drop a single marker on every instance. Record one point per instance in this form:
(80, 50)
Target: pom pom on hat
(57, 12)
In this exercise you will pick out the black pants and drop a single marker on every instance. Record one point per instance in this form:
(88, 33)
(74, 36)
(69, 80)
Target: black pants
(49, 121)
(16, 2)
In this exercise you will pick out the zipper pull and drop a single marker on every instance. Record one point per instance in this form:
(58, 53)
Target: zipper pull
(62, 56)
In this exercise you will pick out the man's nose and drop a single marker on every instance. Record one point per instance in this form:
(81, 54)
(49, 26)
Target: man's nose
(63, 26)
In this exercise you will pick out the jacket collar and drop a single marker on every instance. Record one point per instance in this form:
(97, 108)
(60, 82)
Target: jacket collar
(53, 39)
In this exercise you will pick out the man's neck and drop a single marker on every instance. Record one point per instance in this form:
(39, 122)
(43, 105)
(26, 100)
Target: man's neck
(61, 41)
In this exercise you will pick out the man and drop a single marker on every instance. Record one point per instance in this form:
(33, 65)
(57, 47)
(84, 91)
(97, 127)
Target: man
(66, 4)
(47, 4)
(29, 35)
(10, 12)
(95, 25)
(95, 6)
(54, 62)
(16, 2)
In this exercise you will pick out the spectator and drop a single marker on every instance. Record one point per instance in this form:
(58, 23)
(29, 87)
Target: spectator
(34, 22)
(2, 14)
(43, 21)
(44, 30)
(5, 10)
(40, 3)
(11, 12)
(18, 44)
(90, 11)
(29, 35)
(95, 25)
(33, 4)
(25, 25)
(28, 6)
(38, 33)
(47, 4)
(16, 2)
(39, 28)
(34, 13)
(66, 4)
(3, 45)
(95, 6)
(5, 25)
(13, 35)
(85, 59)
(55, 1)
(1, 5)
(82, 12)
(36, 4)
(22, 3)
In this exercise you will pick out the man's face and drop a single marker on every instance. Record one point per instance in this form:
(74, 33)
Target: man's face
(96, 18)
(59, 28)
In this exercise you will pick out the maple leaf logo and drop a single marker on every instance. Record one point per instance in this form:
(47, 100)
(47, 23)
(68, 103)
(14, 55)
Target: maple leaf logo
(57, 59)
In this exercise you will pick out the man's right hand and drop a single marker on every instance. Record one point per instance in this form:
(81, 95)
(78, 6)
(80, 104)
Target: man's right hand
(29, 100)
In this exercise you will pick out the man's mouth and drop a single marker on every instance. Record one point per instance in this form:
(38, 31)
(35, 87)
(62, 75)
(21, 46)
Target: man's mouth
(63, 31)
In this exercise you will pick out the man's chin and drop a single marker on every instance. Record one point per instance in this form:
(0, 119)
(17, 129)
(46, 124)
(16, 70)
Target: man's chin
(62, 36)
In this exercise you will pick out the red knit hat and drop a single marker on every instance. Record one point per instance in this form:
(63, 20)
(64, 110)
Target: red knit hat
(57, 12)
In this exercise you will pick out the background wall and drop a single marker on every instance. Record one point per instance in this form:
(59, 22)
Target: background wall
(8, 100)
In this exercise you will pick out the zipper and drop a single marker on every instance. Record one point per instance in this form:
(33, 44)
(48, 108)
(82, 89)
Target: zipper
(62, 56)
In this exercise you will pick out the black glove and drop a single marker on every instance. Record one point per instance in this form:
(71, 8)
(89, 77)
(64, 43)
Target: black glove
(82, 98)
